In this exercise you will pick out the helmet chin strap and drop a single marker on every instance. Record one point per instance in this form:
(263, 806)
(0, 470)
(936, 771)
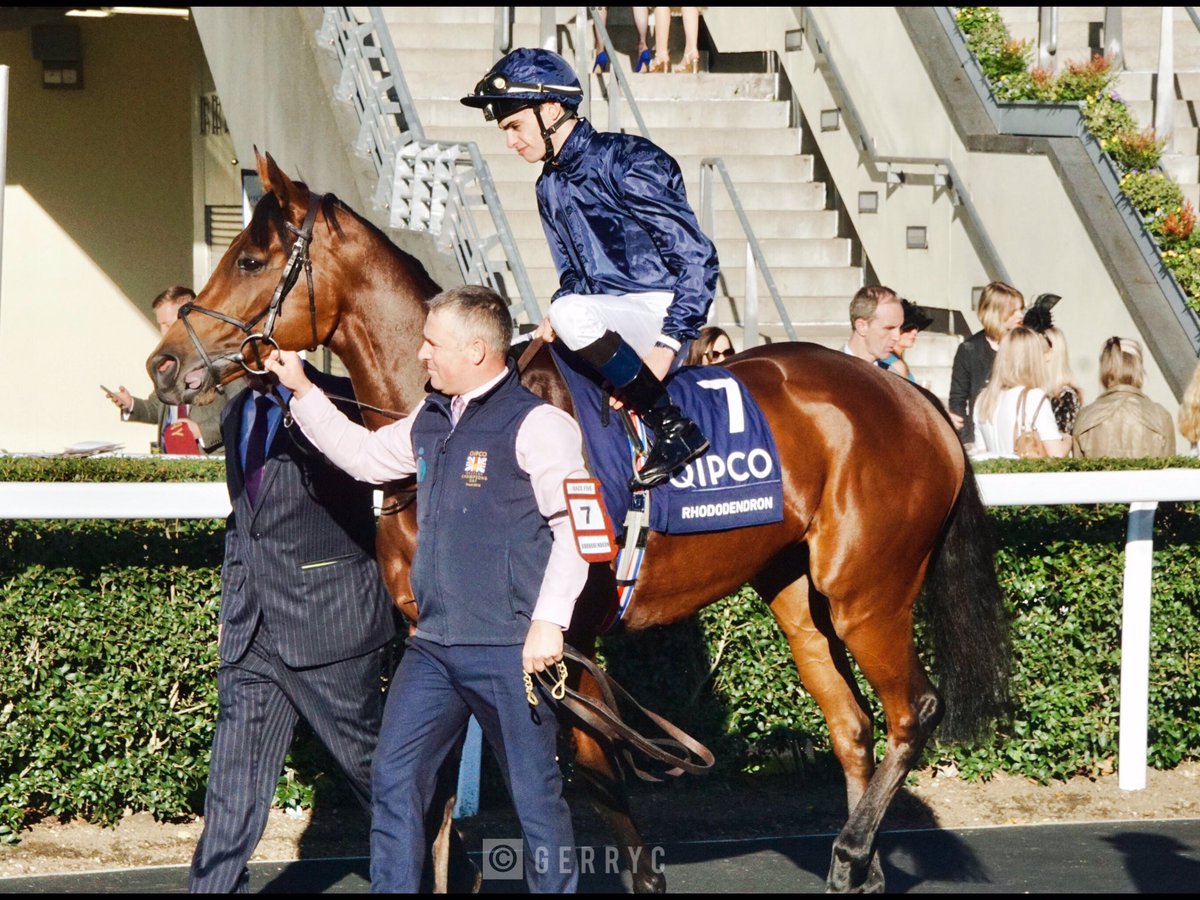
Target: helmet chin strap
(547, 133)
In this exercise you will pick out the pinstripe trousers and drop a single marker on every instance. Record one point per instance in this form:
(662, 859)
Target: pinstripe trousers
(261, 699)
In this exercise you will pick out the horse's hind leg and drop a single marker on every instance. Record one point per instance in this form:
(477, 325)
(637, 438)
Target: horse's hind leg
(882, 644)
(821, 660)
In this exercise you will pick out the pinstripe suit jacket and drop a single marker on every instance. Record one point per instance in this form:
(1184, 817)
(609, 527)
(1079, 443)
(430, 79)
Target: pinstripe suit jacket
(303, 557)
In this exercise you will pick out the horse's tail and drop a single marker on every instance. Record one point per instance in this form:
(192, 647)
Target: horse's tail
(964, 609)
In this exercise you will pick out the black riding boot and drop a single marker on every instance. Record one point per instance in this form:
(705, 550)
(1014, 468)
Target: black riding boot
(677, 439)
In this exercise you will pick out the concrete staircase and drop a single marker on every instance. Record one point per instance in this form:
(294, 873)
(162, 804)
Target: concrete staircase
(733, 116)
(736, 116)
(1078, 26)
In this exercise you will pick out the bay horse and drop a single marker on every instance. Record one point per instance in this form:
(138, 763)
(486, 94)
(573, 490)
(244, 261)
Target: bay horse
(878, 500)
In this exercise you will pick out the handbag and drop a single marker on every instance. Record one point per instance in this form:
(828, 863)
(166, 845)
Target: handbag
(1027, 443)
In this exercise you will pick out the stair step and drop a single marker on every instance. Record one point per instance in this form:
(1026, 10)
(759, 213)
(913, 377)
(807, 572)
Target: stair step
(460, 35)
(719, 114)
(676, 141)
(1184, 169)
(762, 196)
(510, 167)
(827, 312)
(798, 282)
(1184, 111)
(795, 285)
(420, 16)
(781, 256)
(822, 223)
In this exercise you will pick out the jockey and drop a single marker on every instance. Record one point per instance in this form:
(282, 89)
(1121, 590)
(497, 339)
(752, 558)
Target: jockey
(636, 274)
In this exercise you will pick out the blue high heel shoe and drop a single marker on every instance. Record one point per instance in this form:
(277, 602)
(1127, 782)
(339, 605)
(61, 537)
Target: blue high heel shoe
(643, 61)
(601, 62)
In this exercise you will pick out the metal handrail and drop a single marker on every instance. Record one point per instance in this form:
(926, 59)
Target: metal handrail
(990, 257)
(583, 67)
(1048, 37)
(424, 185)
(755, 259)
(754, 254)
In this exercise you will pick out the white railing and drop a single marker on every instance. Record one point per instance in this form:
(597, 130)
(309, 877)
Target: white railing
(1142, 491)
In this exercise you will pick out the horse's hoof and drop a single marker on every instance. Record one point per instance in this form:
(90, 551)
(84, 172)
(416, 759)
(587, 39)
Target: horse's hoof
(649, 883)
(464, 877)
(847, 875)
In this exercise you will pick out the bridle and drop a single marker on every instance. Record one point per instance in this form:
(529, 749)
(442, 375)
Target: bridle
(297, 257)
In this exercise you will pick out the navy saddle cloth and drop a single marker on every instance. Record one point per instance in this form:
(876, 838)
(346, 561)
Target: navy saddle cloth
(735, 484)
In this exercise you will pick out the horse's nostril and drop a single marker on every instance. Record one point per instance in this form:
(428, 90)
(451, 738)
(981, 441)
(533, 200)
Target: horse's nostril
(165, 365)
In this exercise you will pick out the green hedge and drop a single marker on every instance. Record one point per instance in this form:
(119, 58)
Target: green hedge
(108, 682)
(107, 688)
(110, 468)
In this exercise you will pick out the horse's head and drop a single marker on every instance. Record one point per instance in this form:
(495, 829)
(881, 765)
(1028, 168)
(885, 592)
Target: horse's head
(264, 291)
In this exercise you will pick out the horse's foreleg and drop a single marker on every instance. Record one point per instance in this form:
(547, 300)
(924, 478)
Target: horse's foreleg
(601, 779)
(448, 868)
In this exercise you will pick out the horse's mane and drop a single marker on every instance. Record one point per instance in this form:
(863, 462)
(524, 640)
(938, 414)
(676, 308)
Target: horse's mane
(269, 218)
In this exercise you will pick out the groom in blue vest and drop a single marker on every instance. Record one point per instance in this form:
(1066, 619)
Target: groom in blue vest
(495, 575)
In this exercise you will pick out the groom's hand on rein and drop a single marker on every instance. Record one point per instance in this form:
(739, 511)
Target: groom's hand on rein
(288, 368)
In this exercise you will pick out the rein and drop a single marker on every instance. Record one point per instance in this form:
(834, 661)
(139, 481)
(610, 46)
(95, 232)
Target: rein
(297, 257)
(679, 750)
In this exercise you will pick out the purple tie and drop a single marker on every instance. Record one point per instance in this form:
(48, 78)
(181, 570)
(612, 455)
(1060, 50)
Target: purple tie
(256, 448)
(457, 405)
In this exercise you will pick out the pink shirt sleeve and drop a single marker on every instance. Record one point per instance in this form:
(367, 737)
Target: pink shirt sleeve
(375, 457)
(550, 449)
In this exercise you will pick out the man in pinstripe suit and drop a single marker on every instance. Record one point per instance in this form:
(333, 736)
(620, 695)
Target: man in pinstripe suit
(305, 626)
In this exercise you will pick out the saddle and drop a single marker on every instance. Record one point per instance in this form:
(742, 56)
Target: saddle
(736, 484)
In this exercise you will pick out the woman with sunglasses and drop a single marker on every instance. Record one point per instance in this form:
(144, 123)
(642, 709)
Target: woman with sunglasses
(711, 347)
(915, 321)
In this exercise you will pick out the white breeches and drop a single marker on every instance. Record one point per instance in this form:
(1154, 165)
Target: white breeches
(582, 319)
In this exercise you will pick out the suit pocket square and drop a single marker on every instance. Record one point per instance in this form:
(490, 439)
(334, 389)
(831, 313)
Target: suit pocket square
(332, 561)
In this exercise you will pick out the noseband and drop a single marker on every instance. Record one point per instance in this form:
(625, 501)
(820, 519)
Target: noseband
(291, 273)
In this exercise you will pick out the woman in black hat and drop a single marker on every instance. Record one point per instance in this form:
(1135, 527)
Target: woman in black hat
(915, 321)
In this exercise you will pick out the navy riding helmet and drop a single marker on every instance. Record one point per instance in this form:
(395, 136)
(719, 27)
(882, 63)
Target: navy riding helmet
(526, 77)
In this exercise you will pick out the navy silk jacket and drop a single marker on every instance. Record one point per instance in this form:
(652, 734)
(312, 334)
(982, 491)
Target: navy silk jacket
(618, 221)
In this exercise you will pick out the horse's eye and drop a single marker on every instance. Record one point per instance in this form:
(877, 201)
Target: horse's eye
(250, 264)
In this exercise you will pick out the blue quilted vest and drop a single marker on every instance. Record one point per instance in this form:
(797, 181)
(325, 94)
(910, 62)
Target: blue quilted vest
(482, 543)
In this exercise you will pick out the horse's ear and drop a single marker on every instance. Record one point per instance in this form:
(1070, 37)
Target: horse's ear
(273, 180)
